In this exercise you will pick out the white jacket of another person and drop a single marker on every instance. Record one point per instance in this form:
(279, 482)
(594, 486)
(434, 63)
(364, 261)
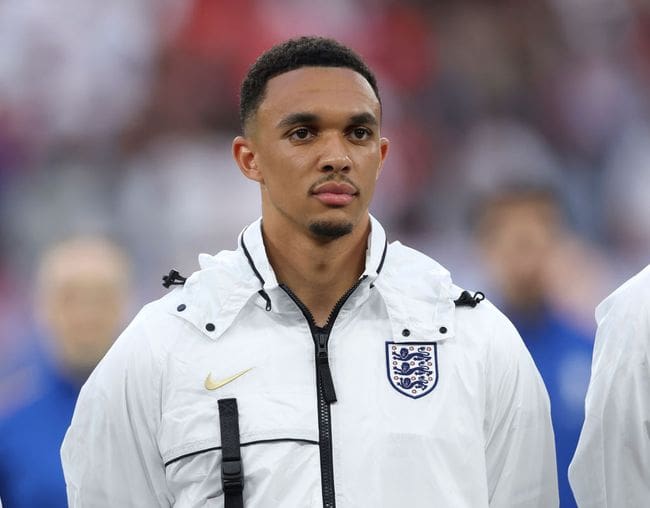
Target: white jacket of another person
(611, 466)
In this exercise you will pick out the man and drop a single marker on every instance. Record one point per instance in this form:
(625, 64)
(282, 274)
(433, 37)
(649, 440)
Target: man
(518, 229)
(81, 295)
(611, 467)
(324, 366)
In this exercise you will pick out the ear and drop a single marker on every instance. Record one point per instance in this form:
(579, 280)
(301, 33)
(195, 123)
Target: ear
(244, 155)
(383, 152)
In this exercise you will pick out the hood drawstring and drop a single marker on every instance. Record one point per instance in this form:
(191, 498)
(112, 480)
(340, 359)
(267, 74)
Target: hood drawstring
(467, 300)
(173, 278)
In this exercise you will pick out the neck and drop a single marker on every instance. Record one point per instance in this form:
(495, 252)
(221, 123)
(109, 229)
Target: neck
(318, 272)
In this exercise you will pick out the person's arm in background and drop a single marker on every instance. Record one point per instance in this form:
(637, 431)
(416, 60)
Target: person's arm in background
(110, 456)
(611, 467)
(520, 448)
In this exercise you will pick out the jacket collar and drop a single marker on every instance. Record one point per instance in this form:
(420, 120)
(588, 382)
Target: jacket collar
(252, 245)
(212, 297)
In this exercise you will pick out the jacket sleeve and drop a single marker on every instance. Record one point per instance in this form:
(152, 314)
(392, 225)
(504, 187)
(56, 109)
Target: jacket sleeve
(110, 455)
(520, 449)
(611, 466)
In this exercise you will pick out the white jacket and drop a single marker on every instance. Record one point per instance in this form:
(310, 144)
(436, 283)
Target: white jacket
(471, 429)
(611, 466)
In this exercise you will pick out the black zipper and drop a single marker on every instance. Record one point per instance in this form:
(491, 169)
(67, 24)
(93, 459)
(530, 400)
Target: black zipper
(325, 387)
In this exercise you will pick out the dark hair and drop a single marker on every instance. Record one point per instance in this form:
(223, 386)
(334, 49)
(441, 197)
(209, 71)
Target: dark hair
(294, 54)
(515, 192)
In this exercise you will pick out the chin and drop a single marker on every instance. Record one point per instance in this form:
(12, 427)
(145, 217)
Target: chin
(330, 229)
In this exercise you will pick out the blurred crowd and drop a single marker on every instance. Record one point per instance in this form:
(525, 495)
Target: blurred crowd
(520, 157)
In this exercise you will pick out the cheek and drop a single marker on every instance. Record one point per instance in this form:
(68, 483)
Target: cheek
(285, 172)
(371, 170)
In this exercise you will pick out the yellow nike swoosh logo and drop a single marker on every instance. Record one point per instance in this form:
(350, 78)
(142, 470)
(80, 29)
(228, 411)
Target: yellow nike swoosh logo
(213, 385)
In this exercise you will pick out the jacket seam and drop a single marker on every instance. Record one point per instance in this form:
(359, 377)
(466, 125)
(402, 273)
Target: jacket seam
(248, 443)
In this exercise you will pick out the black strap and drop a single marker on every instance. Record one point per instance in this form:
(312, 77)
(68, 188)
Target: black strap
(232, 476)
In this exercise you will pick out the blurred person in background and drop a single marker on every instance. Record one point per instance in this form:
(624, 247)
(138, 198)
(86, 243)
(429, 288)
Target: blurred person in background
(82, 295)
(518, 228)
(611, 467)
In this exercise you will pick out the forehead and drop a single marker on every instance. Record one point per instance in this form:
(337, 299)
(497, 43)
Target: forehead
(82, 264)
(318, 90)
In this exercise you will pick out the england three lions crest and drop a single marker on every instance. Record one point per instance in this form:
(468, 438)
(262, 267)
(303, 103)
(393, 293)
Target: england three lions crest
(412, 367)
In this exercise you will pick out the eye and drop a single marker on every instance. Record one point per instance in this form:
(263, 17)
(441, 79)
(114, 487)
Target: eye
(301, 134)
(361, 133)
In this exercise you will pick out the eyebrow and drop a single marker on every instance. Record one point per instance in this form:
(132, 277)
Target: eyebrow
(364, 119)
(310, 118)
(297, 119)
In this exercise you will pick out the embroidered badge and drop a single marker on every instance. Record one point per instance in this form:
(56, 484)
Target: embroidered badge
(412, 367)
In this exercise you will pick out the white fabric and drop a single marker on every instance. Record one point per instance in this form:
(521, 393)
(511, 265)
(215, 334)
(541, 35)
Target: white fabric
(482, 437)
(611, 466)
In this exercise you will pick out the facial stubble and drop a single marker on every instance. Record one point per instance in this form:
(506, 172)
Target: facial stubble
(329, 230)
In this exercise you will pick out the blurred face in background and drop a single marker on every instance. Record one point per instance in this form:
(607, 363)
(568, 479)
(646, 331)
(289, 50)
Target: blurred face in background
(517, 235)
(82, 301)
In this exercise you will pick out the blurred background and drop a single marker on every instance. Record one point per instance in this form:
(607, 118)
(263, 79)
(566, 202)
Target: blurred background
(520, 157)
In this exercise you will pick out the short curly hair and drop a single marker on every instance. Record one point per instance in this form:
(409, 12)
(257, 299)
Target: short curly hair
(294, 54)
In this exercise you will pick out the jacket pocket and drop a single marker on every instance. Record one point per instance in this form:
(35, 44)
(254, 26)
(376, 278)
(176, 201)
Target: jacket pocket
(279, 448)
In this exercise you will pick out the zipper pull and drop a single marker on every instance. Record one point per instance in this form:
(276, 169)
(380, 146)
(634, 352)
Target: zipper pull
(323, 369)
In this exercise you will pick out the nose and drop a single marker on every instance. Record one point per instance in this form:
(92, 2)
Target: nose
(335, 156)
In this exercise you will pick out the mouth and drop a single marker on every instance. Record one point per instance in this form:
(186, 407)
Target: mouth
(335, 193)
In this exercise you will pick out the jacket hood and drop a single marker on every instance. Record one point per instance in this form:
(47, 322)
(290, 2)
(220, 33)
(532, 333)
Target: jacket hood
(417, 291)
(419, 295)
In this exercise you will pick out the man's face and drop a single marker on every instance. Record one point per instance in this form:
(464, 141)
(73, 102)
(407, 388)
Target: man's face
(314, 146)
(85, 313)
(82, 301)
(517, 235)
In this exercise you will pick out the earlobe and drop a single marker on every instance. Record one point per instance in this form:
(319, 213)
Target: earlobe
(245, 158)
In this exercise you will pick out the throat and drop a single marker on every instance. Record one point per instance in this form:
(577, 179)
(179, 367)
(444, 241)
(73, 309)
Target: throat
(317, 273)
(318, 306)
(319, 313)
(321, 292)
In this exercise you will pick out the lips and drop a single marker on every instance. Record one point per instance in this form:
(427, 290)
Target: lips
(335, 193)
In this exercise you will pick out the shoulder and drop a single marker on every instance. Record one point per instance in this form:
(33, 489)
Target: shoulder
(631, 297)
(155, 325)
(199, 309)
(488, 327)
(50, 393)
(409, 261)
(413, 268)
(141, 348)
(624, 316)
(28, 418)
(14, 423)
(414, 275)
